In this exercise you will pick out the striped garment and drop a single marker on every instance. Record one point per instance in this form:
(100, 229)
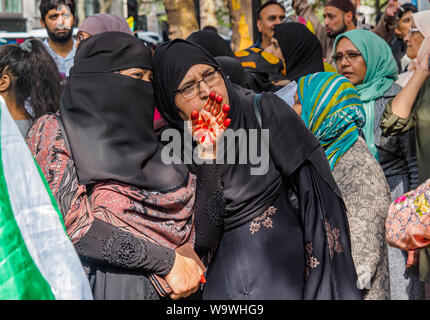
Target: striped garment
(332, 110)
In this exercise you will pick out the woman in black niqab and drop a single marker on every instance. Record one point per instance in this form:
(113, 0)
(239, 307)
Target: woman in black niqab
(125, 210)
(301, 50)
(271, 246)
(250, 79)
(212, 42)
(108, 143)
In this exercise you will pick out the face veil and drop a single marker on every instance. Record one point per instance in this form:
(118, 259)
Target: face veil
(108, 117)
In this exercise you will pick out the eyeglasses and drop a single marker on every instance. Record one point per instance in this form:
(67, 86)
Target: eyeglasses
(192, 89)
(412, 30)
(349, 55)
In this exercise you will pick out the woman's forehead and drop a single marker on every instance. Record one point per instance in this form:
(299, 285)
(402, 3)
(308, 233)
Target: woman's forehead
(345, 44)
(197, 70)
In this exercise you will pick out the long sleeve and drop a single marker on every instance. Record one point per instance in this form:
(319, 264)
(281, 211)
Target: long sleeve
(385, 27)
(392, 125)
(330, 268)
(48, 147)
(330, 272)
(93, 239)
(367, 197)
(105, 244)
(209, 209)
(410, 155)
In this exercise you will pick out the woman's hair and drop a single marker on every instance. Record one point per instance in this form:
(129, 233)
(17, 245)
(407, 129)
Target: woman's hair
(34, 74)
(407, 7)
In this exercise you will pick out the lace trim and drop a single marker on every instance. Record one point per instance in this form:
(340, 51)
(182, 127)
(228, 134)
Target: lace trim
(215, 207)
(124, 250)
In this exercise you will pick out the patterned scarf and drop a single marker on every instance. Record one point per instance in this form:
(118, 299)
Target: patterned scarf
(332, 110)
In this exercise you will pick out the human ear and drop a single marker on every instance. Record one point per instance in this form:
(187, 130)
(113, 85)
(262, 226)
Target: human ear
(348, 17)
(259, 25)
(5, 82)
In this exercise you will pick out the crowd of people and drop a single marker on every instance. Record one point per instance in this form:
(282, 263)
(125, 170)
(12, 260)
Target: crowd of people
(339, 110)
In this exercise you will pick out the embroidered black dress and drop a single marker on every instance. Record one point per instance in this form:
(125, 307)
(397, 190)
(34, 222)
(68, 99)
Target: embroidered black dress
(297, 245)
(284, 232)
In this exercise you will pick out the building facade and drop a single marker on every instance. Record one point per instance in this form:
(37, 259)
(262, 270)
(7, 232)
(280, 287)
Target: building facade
(24, 15)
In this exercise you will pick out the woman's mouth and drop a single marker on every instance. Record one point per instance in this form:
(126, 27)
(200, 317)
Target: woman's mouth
(347, 74)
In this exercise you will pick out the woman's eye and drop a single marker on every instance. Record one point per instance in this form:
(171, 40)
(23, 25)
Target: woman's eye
(138, 75)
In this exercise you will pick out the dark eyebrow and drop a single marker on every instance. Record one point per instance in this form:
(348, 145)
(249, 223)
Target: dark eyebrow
(207, 71)
(187, 83)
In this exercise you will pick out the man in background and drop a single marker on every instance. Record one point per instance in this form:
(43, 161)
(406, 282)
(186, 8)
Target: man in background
(58, 18)
(340, 17)
(269, 15)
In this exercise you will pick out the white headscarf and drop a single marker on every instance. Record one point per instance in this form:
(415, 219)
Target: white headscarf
(422, 22)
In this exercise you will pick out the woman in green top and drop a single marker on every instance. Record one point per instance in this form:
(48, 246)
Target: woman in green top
(410, 108)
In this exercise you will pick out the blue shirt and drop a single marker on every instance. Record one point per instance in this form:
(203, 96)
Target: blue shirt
(257, 44)
(63, 64)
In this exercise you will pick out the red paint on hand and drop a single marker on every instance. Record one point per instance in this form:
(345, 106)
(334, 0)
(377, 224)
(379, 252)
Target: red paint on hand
(194, 115)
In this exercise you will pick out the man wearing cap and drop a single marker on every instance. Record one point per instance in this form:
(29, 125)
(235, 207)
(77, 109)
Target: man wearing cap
(339, 17)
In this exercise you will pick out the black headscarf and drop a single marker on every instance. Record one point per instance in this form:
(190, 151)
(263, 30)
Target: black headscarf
(256, 81)
(212, 42)
(246, 195)
(301, 49)
(108, 117)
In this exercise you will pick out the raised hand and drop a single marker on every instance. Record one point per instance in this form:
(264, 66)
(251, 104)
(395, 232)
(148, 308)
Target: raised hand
(392, 8)
(208, 125)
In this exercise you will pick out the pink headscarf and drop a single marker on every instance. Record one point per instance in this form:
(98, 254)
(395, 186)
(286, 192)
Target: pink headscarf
(422, 22)
(101, 22)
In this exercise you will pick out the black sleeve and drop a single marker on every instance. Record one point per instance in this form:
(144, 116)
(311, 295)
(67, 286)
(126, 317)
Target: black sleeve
(105, 244)
(330, 272)
(410, 154)
(209, 208)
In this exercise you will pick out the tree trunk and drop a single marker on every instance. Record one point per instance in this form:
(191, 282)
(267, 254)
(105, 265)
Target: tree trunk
(105, 5)
(208, 13)
(241, 22)
(81, 11)
(181, 18)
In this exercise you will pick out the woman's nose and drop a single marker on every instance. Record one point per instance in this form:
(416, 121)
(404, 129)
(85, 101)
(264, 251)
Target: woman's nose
(205, 90)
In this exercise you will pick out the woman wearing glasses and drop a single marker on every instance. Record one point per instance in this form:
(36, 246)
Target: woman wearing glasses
(284, 231)
(366, 60)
